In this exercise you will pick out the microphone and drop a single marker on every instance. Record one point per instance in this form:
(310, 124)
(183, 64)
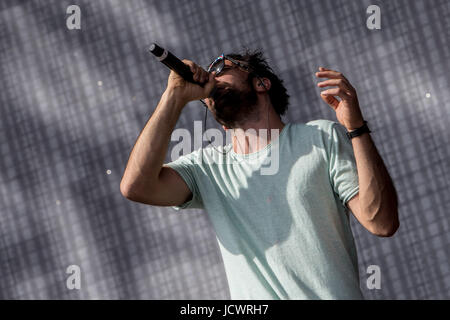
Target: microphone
(175, 64)
(172, 62)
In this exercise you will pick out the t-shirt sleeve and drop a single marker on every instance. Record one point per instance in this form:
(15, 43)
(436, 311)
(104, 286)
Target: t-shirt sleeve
(187, 167)
(342, 164)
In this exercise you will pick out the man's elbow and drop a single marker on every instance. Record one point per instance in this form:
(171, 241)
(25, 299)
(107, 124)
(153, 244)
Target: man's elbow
(139, 194)
(129, 191)
(386, 229)
(125, 190)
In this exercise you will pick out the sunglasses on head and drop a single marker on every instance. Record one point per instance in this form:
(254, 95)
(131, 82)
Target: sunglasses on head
(219, 64)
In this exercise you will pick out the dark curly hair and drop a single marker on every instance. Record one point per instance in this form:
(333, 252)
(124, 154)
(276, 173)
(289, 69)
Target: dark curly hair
(258, 63)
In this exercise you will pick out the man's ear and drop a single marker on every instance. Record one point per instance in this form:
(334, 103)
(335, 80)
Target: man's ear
(224, 128)
(258, 84)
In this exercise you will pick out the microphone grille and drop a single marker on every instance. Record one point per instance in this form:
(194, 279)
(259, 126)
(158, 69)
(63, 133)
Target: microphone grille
(155, 49)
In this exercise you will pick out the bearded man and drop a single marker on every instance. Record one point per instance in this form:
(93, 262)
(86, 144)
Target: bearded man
(284, 235)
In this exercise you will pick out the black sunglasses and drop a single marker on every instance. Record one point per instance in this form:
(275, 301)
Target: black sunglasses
(219, 64)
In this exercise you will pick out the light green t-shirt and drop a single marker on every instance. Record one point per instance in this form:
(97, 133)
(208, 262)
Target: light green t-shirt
(285, 235)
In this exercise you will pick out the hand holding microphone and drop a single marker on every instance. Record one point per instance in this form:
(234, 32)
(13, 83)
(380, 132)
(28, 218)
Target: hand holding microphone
(189, 91)
(189, 80)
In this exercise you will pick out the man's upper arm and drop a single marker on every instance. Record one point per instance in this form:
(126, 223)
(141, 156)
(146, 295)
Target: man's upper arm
(170, 190)
(353, 205)
(188, 168)
(174, 190)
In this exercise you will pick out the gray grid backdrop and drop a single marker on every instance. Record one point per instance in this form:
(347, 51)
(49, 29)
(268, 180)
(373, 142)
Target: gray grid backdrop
(61, 130)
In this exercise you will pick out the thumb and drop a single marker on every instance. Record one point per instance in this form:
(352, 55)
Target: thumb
(211, 82)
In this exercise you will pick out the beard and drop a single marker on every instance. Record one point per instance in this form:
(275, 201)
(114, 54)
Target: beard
(233, 107)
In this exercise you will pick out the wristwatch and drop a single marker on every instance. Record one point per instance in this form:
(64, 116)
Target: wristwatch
(357, 132)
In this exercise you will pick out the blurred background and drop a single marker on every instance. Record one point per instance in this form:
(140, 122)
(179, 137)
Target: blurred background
(73, 102)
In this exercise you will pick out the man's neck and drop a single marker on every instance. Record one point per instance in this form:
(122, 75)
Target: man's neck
(255, 135)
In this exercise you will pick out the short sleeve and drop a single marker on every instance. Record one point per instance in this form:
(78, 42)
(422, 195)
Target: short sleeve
(342, 164)
(187, 167)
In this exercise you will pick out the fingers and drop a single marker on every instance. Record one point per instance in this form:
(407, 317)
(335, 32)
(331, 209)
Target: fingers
(325, 73)
(328, 73)
(335, 92)
(332, 101)
(341, 83)
(200, 75)
(211, 82)
(344, 89)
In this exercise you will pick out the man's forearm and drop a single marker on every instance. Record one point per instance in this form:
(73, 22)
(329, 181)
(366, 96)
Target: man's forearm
(377, 194)
(148, 154)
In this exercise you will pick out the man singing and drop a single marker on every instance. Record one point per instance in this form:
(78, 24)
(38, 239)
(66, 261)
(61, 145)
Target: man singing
(286, 234)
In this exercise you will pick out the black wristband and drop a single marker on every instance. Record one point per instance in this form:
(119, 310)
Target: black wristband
(357, 132)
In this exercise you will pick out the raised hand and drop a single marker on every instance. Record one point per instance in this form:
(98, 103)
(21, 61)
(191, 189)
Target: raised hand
(347, 109)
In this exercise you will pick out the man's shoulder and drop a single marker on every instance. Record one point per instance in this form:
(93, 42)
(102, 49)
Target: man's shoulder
(323, 124)
(185, 157)
(314, 126)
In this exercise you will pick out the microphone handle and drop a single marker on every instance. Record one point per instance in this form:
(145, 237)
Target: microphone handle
(172, 62)
(179, 67)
